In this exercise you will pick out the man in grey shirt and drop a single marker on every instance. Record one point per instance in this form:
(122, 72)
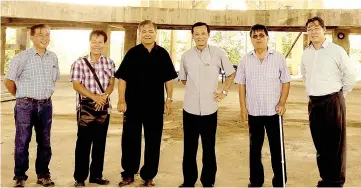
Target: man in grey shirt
(31, 79)
(328, 74)
(199, 72)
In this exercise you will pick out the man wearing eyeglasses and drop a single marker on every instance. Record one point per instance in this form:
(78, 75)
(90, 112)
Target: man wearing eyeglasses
(329, 75)
(264, 83)
(199, 72)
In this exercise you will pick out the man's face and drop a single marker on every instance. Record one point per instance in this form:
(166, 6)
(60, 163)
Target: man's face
(259, 39)
(147, 34)
(316, 33)
(41, 38)
(200, 35)
(97, 44)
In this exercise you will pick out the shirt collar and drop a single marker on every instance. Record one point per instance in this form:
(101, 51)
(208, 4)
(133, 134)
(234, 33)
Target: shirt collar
(34, 52)
(269, 51)
(324, 44)
(90, 59)
(207, 48)
(154, 48)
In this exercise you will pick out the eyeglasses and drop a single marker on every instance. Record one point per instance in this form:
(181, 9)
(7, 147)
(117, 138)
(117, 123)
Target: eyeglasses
(314, 28)
(260, 36)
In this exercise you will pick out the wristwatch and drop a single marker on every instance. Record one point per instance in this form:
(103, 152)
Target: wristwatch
(224, 92)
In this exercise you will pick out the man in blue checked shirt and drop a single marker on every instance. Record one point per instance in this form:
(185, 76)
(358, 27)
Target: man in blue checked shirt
(31, 79)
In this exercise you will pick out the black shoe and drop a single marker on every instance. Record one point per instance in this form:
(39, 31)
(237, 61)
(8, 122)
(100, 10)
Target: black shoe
(252, 185)
(149, 183)
(46, 182)
(126, 181)
(79, 184)
(100, 181)
(210, 185)
(19, 182)
(186, 185)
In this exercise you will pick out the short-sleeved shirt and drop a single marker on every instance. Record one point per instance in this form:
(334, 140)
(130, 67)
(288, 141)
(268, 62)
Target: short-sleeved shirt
(327, 70)
(263, 81)
(34, 75)
(145, 74)
(104, 69)
(201, 71)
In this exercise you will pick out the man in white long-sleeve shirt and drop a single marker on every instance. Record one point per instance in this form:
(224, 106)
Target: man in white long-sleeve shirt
(329, 75)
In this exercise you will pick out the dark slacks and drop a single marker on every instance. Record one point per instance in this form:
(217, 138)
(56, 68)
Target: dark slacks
(131, 144)
(257, 127)
(327, 116)
(28, 114)
(91, 137)
(193, 127)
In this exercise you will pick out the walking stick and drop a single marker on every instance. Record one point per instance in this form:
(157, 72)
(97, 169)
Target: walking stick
(282, 153)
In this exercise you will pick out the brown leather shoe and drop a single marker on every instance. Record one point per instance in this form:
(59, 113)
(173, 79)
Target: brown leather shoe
(19, 182)
(126, 181)
(46, 182)
(100, 181)
(79, 184)
(149, 183)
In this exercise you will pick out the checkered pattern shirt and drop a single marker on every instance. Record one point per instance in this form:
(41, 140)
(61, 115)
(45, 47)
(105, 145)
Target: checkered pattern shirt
(34, 75)
(104, 69)
(263, 81)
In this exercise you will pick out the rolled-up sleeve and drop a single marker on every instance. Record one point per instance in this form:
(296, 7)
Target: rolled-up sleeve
(76, 71)
(226, 64)
(182, 75)
(241, 73)
(284, 73)
(123, 71)
(14, 69)
(348, 70)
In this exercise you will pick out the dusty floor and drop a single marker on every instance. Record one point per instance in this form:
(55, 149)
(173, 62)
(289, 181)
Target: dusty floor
(232, 143)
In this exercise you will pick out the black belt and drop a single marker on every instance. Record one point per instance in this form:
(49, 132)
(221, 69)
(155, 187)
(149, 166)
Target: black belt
(322, 97)
(36, 100)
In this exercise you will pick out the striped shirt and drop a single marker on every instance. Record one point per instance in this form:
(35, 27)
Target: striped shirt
(104, 69)
(201, 70)
(327, 70)
(34, 75)
(263, 81)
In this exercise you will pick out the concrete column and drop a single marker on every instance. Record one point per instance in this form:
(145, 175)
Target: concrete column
(130, 38)
(173, 44)
(108, 31)
(345, 42)
(21, 39)
(3, 44)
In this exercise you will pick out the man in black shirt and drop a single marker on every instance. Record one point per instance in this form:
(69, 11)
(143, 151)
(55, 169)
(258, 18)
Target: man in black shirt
(145, 69)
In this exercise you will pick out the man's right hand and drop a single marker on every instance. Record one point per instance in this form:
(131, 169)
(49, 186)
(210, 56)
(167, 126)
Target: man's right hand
(122, 106)
(100, 100)
(244, 114)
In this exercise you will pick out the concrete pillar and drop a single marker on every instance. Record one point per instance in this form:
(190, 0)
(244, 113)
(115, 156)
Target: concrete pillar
(108, 31)
(21, 39)
(130, 37)
(3, 44)
(173, 45)
(345, 41)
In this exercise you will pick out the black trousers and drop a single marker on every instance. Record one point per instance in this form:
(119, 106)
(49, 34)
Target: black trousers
(91, 136)
(193, 127)
(257, 127)
(131, 144)
(327, 116)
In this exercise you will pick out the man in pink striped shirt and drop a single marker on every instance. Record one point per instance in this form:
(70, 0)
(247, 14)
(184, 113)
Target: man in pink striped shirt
(264, 82)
